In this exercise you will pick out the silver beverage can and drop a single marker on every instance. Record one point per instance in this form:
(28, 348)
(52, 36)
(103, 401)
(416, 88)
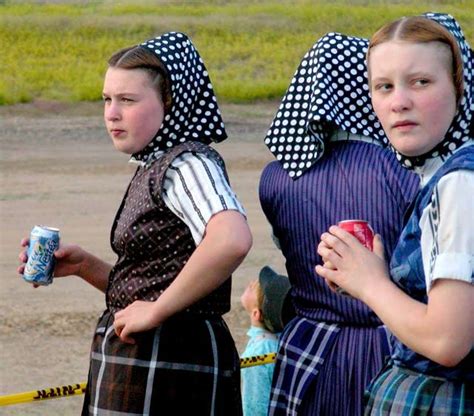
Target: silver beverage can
(44, 241)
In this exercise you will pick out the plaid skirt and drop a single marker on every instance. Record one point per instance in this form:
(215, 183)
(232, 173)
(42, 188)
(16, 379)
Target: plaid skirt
(401, 392)
(188, 364)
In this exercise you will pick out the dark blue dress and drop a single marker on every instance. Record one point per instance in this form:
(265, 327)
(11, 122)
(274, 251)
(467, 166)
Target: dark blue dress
(336, 345)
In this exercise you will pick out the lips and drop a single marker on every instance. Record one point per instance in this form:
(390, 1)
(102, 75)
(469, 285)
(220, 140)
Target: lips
(116, 132)
(404, 125)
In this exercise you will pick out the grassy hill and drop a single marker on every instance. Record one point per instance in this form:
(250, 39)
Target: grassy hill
(57, 50)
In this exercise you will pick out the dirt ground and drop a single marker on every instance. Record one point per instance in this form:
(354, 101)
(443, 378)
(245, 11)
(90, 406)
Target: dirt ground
(59, 168)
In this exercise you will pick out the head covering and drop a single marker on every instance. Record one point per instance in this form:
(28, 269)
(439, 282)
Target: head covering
(194, 114)
(459, 131)
(277, 307)
(329, 90)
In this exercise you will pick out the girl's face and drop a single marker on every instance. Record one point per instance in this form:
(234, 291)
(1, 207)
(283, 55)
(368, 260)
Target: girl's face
(133, 111)
(412, 93)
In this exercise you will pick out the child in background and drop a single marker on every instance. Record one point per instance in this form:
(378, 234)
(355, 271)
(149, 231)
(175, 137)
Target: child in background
(269, 307)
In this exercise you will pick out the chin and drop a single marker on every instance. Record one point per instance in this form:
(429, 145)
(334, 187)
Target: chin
(123, 149)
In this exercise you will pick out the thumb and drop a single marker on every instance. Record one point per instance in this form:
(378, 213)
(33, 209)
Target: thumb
(59, 253)
(62, 252)
(378, 246)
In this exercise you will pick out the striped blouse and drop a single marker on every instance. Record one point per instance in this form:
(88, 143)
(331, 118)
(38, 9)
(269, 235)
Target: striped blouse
(195, 189)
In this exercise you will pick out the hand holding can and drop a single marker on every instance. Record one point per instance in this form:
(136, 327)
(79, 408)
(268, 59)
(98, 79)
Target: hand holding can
(363, 232)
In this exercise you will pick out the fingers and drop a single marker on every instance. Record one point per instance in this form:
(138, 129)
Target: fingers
(325, 273)
(378, 246)
(118, 324)
(329, 265)
(332, 285)
(330, 248)
(125, 337)
(23, 257)
(121, 329)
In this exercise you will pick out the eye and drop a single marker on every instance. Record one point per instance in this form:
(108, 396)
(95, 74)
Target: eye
(383, 87)
(127, 100)
(106, 99)
(421, 82)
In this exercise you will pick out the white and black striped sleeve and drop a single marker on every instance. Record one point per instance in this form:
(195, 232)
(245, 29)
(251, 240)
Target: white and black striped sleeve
(195, 189)
(447, 230)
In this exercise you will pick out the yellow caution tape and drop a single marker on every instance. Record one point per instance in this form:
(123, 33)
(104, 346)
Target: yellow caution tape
(79, 388)
(43, 394)
(257, 360)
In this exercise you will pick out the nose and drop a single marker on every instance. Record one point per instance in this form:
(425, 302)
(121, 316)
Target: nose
(111, 111)
(401, 100)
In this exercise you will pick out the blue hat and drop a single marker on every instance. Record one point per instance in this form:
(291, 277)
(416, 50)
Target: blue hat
(277, 307)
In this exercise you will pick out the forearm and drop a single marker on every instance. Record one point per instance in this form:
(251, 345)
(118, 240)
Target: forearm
(95, 271)
(439, 330)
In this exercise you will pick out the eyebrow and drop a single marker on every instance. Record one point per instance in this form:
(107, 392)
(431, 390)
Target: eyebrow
(120, 95)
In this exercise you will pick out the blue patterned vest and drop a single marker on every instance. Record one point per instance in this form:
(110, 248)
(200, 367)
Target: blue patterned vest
(406, 269)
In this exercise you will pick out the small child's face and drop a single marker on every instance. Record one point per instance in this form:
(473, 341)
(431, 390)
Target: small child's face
(249, 298)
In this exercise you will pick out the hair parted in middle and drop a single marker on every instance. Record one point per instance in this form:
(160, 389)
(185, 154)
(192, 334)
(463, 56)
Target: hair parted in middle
(137, 57)
(419, 29)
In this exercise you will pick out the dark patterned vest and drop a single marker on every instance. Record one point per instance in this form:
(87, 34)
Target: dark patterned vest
(153, 244)
(406, 269)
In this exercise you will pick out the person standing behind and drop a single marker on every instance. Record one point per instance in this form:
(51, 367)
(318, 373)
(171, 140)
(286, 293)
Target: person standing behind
(332, 165)
(421, 81)
(268, 305)
(161, 346)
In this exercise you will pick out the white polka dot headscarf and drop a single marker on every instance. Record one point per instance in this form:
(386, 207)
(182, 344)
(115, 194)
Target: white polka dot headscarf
(459, 131)
(328, 90)
(194, 115)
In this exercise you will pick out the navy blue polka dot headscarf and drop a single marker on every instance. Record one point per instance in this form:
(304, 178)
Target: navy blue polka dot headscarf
(330, 90)
(194, 115)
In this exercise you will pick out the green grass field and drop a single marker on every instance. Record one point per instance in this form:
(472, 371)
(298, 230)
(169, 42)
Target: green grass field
(58, 50)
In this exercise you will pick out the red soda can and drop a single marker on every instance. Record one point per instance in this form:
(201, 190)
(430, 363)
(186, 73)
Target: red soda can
(359, 229)
(363, 232)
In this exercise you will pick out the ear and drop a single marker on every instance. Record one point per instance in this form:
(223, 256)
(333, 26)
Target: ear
(257, 314)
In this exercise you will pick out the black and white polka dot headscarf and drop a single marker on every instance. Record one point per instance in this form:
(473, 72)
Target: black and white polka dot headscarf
(459, 131)
(194, 115)
(328, 90)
